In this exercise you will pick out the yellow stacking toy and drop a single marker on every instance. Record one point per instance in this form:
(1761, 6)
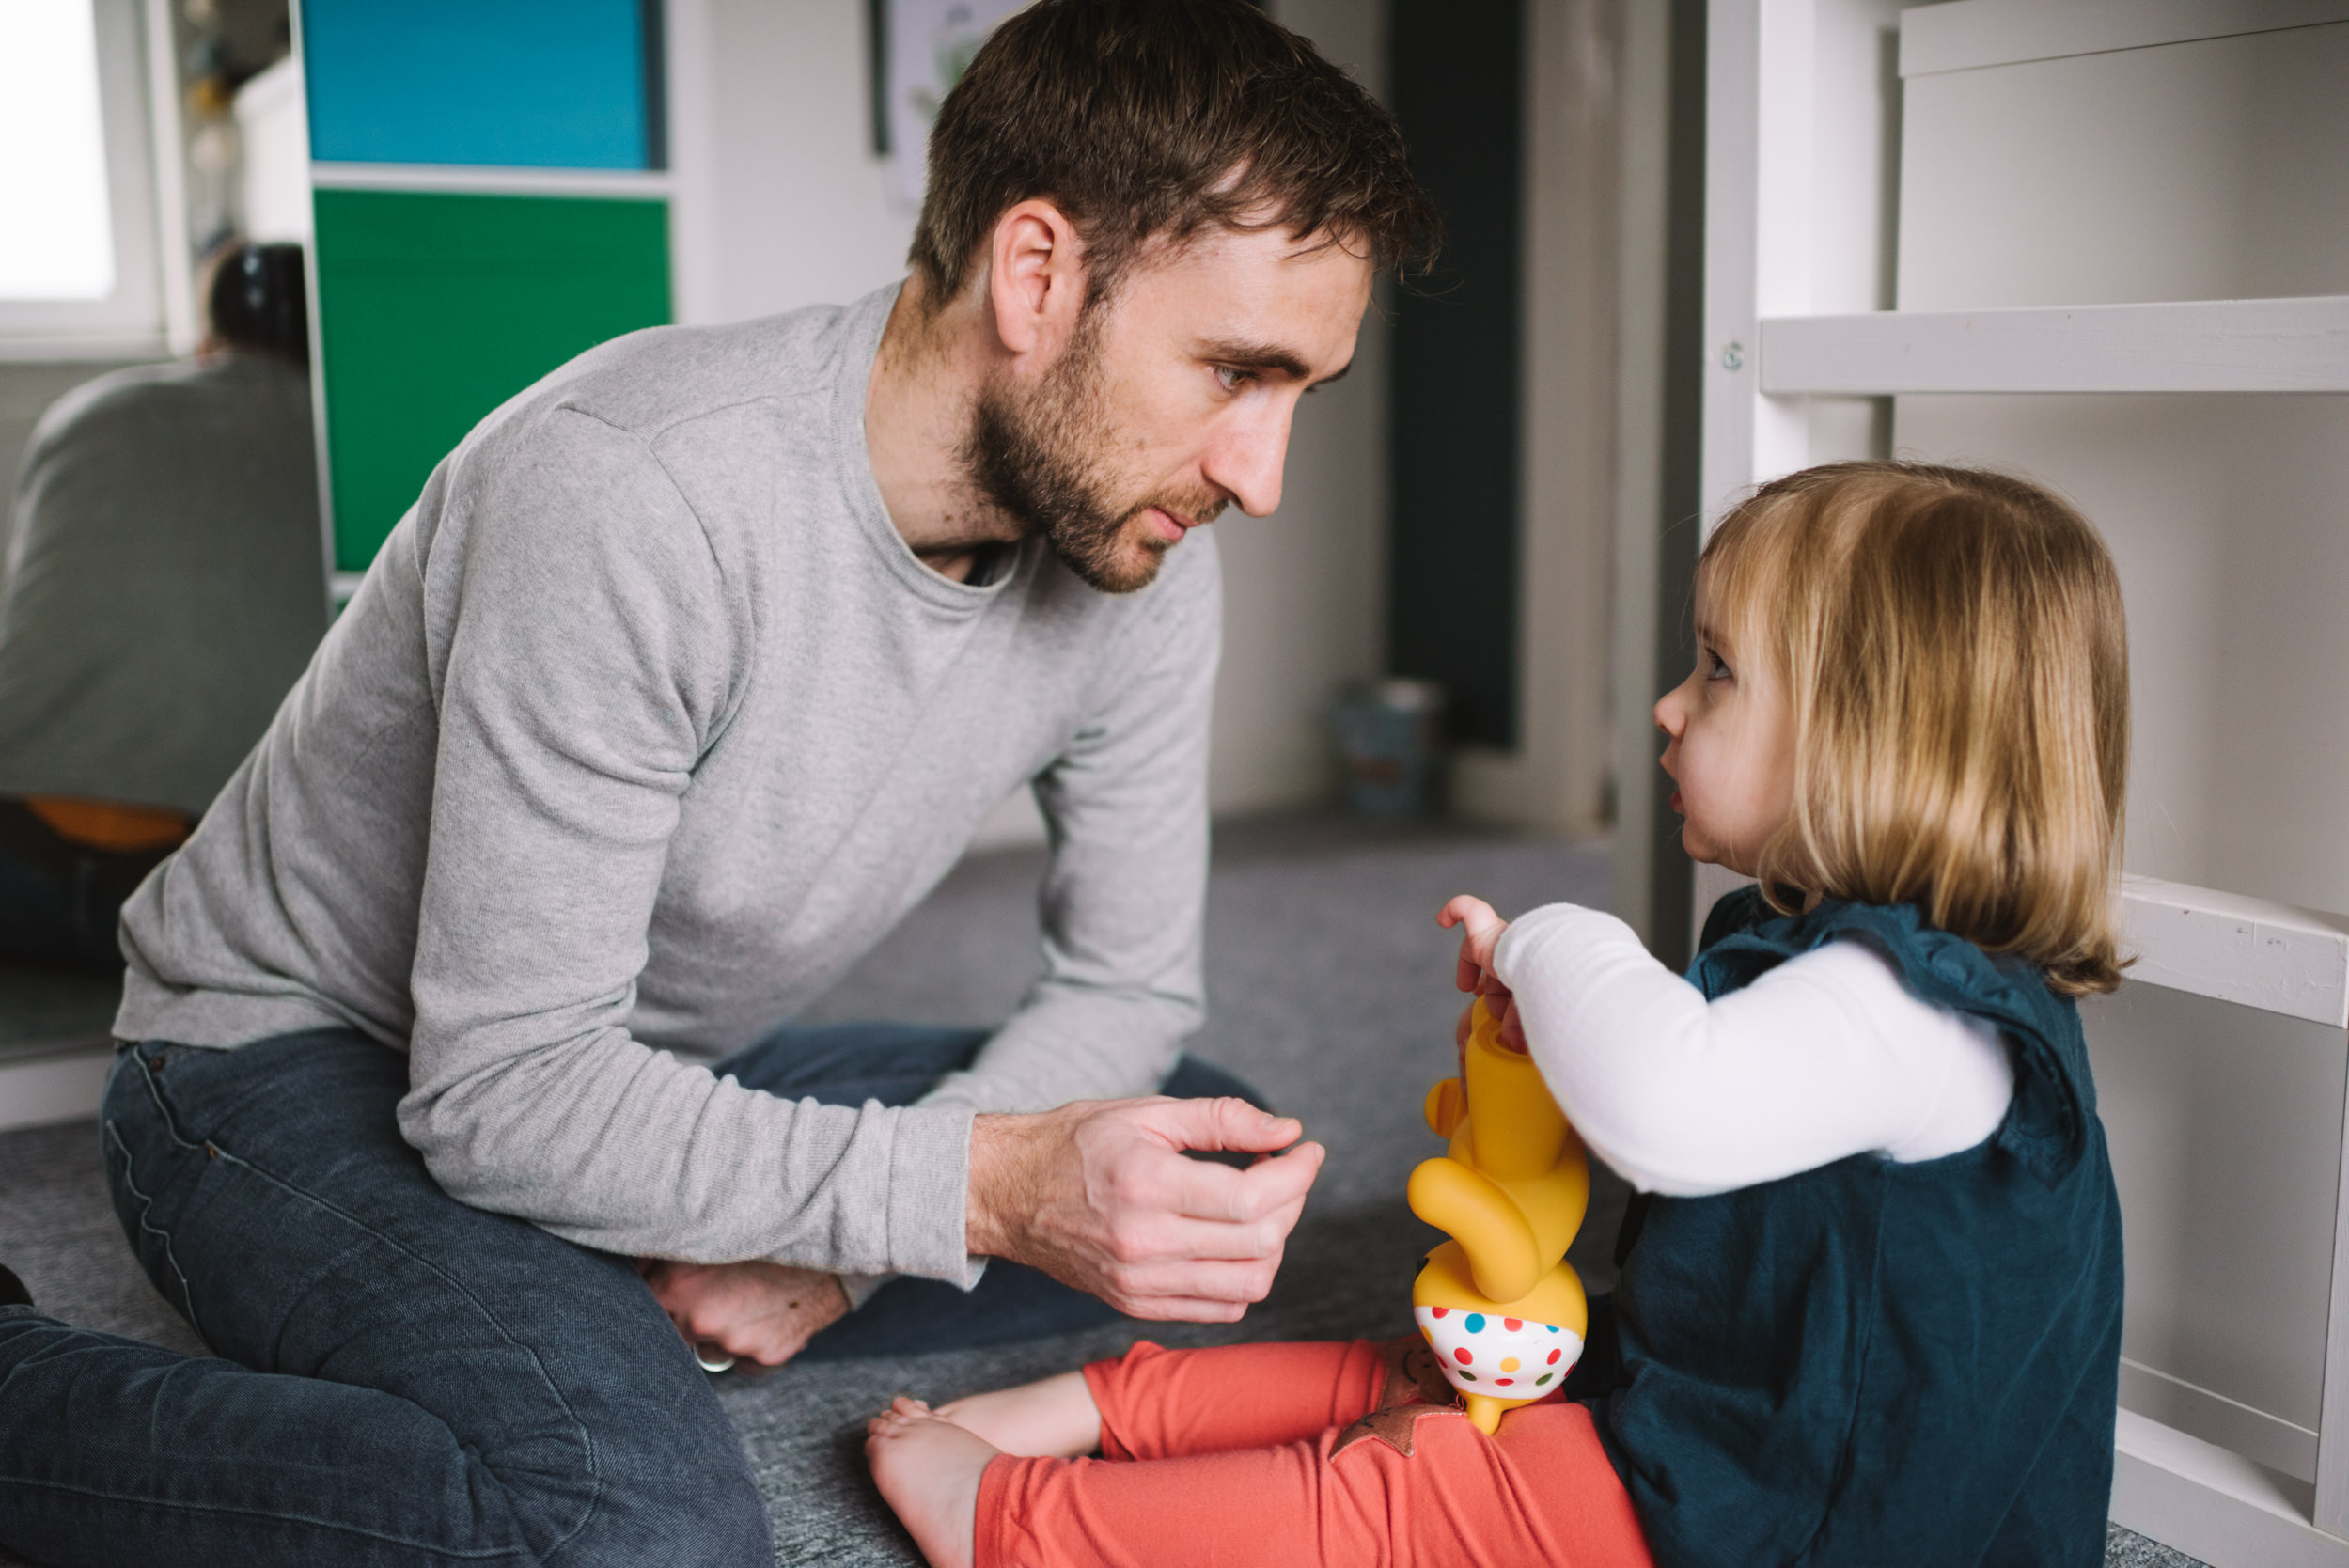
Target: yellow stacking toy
(1499, 1304)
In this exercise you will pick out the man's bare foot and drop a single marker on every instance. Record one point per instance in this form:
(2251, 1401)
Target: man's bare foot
(1055, 1419)
(928, 1468)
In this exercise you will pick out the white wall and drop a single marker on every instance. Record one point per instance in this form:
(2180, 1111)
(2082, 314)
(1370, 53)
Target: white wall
(1304, 589)
(781, 202)
(779, 191)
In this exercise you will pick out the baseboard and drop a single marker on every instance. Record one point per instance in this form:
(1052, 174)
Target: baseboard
(2219, 1507)
(2279, 1445)
(57, 1086)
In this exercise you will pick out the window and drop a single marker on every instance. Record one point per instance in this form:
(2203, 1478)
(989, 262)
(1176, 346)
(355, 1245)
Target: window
(79, 273)
(59, 241)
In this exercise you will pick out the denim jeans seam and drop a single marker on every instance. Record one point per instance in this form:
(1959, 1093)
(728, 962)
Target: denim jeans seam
(146, 1207)
(276, 1516)
(163, 1108)
(584, 1436)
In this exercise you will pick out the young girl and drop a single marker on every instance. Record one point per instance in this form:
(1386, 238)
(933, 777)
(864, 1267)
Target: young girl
(1870, 1310)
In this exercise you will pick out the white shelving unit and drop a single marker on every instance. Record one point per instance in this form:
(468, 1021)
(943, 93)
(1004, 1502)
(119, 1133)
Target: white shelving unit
(2177, 346)
(1803, 247)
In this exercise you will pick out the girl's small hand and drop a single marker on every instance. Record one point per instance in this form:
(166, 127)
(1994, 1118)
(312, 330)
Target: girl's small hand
(1474, 971)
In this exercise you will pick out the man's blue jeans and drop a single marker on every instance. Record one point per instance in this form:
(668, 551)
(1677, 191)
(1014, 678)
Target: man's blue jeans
(402, 1379)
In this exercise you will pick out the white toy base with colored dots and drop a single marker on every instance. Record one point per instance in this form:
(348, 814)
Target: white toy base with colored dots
(1499, 1357)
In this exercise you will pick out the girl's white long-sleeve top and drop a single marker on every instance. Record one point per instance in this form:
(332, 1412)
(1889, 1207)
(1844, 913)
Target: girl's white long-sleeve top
(1824, 1056)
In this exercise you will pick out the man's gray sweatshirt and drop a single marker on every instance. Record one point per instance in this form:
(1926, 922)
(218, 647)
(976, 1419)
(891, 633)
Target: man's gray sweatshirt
(644, 726)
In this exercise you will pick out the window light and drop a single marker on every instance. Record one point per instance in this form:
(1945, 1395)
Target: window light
(57, 235)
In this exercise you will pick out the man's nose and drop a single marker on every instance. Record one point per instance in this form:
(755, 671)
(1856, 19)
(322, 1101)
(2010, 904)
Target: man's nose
(1246, 464)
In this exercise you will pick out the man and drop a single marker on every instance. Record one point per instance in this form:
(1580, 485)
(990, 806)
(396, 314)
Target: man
(693, 668)
(164, 585)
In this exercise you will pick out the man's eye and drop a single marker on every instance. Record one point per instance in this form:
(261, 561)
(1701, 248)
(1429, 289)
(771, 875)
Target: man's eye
(1231, 380)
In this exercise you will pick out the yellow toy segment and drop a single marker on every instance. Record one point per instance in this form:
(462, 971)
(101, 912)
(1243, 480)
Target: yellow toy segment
(1485, 1412)
(1556, 1297)
(1520, 1132)
(1485, 1221)
(1499, 1303)
(1509, 1135)
(1444, 1106)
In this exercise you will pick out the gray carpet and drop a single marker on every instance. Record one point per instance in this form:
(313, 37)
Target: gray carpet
(1330, 987)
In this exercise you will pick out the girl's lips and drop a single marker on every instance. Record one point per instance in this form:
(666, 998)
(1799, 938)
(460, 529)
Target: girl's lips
(1677, 805)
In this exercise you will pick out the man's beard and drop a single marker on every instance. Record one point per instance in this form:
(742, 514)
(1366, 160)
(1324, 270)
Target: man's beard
(1031, 457)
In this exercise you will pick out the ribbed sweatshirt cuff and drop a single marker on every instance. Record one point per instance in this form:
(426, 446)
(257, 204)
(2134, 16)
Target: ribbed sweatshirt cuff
(928, 1196)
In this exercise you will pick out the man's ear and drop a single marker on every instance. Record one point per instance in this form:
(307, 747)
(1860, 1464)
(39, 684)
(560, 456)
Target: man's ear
(1035, 278)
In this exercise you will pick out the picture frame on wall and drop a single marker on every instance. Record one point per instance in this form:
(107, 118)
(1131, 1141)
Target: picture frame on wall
(920, 49)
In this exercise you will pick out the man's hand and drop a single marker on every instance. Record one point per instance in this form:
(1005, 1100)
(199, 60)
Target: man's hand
(761, 1311)
(1099, 1194)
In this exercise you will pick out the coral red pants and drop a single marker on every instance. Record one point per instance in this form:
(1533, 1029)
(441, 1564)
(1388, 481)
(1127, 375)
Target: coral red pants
(1225, 1457)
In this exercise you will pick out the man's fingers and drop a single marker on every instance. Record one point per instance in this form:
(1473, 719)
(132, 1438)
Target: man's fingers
(1181, 1310)
(755, 1312)
(1229, 1122)
(1201, 1189)
(1232, 1282)
(1176, 1242)
(775, 1351)
(1207, 1189)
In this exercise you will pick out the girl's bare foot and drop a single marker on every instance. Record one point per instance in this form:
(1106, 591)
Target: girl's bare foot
(928, 1468)
(1056, 1418)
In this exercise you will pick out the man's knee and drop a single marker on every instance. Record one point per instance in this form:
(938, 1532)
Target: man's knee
(673, 1487)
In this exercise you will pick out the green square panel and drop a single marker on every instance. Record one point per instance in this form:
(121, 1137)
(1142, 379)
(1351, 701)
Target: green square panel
(434, 309)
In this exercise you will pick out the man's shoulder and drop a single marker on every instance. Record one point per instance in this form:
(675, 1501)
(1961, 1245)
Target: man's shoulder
(650, 382)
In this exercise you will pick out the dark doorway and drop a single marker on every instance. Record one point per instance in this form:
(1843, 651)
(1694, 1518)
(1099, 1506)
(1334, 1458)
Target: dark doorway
(1452, 605)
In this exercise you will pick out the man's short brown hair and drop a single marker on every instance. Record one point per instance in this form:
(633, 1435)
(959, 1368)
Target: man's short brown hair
(1144, 120)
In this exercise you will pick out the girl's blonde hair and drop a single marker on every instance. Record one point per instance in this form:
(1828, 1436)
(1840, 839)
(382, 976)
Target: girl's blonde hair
(1956, 662)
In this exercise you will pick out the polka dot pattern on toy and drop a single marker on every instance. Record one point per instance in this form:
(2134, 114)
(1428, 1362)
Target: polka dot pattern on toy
(1484, 1353)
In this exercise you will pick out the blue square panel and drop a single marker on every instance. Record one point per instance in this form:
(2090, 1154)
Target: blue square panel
(538, 84)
